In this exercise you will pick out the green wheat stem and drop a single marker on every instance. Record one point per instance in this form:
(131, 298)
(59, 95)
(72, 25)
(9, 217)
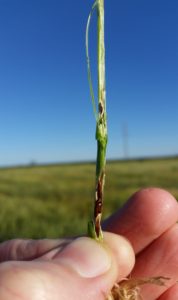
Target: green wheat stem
(95, 230)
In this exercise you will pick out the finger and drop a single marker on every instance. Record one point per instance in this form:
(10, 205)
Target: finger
(146, 215)
(19, 249)
(170, 294)
(159, 259)
(85, 269)
(120, 249)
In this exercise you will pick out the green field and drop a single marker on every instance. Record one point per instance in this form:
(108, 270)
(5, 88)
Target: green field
(54, 201)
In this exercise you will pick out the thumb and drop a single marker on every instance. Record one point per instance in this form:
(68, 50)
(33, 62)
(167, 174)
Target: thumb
(89, 269)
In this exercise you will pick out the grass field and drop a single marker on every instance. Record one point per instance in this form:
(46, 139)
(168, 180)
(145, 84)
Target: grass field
(54, 201)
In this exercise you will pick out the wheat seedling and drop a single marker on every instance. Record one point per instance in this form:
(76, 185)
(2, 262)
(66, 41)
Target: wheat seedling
(128, 289)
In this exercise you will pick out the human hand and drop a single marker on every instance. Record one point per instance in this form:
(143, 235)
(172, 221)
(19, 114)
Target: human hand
(74, 269)
(149, 222)
(83, 269)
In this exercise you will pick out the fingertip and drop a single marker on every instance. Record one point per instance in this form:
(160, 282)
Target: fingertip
(152, 193)
(145, 216)
(87, 257)
(122, 253)
(157, 208)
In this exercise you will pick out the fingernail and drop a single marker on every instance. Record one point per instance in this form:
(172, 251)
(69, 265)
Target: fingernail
(87, 257)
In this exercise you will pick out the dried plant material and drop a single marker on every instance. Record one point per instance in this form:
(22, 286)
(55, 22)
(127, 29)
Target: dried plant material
(130, 289)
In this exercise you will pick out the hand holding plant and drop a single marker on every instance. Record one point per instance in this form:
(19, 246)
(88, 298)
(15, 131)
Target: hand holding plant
(57, 269)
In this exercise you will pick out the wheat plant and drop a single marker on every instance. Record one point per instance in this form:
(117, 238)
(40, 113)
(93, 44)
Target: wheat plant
(128, 289)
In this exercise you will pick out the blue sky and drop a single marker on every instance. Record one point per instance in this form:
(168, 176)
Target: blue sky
(45, 108)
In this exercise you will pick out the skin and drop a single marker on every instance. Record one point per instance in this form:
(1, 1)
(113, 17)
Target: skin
(46, 269)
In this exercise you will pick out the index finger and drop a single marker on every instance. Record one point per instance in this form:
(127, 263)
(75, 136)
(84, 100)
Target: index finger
(146, 215)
